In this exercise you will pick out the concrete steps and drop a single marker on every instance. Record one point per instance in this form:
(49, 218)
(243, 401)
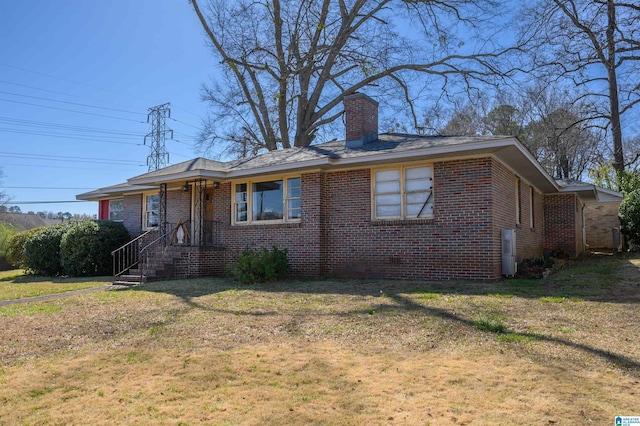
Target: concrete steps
(129, 279)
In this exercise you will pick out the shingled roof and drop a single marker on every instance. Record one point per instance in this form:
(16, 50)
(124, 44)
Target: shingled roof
(335, 155)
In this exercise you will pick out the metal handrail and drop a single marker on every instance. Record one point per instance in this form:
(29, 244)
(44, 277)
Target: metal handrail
(133, 253)
(143, 255)
(127, 256)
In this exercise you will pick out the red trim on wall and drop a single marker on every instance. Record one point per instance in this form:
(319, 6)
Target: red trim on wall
(103, 209)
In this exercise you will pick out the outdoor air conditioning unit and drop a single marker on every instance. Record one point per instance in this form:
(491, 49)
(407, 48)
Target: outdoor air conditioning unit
(509, 264)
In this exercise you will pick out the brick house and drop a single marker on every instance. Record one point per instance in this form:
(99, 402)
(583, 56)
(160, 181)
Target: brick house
(384, 205)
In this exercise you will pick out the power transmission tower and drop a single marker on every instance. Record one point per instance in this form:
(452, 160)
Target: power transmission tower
(159, 157)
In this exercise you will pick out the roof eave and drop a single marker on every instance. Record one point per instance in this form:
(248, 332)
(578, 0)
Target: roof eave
(111, 192)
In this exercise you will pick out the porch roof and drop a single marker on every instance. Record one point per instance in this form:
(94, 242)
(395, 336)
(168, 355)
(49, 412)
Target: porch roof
(588, 192)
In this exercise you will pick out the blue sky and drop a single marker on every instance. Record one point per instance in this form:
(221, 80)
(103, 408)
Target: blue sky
(73, 72)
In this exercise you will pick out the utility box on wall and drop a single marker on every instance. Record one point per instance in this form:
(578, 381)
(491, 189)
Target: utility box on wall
(509, 264)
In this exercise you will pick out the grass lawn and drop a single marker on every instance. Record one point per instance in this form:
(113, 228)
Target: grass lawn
(564, 350)
(15, 284)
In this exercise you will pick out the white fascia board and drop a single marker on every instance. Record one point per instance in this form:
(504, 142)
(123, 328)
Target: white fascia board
(280, 168)
(182, 176)
(585, 192)
(429, 153)
(607, 195)
(112, 191)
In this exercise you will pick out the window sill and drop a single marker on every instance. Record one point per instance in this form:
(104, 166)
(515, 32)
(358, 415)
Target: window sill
(401, 222)
(266, 225)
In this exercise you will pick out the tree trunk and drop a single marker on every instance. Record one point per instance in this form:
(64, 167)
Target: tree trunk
(614, 106)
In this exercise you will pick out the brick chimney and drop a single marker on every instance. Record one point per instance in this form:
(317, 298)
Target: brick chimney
(361, 119)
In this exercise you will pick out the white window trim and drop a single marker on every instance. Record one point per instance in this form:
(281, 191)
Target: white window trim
(285, 201)
(403, 215)
(144, 210)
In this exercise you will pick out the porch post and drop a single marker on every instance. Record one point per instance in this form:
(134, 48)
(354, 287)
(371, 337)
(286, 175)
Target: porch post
(199, 189)
(163, 209)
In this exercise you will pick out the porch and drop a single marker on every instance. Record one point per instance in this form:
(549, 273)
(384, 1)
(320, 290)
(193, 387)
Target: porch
(171, 247)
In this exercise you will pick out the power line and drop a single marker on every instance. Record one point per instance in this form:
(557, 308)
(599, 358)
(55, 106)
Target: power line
(69, 103)
(21, 122)
(66, 79)
(43, 90)
(43, 187)
(65, 158)
(71, 110)
(186, 124)
(56, 135)
(49, 166)
(47, 202)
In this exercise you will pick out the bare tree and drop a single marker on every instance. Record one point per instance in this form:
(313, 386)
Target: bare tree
(288, 64)
(552, 122)
(466, 120)
(596, 45)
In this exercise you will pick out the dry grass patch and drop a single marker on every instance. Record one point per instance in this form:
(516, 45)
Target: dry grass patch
(206, 351)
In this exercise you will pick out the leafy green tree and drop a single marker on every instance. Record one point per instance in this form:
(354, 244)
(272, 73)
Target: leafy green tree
(605, 176)
(629, 215)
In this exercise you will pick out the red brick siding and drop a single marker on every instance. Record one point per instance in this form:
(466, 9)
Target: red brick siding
(132, 215)
(529, 241)
(580, 242)
(562, 224)
(199, 261)
(473, 202)
(361, 113)
(302, 240)
(455, 244)
(178, 205)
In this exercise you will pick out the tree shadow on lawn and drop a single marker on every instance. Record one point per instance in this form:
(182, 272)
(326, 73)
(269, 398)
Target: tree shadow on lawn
(632, 365)
(571, 283)
(589, 278)
(387, 289)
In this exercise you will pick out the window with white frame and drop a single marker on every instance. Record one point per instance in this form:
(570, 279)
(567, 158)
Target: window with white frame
(403, 193)
(151, 210)
(264, 201)
(116, 210)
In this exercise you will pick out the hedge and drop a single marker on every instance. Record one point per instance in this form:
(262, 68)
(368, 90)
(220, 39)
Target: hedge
(42, 250)
(85, 249)
(15, 247)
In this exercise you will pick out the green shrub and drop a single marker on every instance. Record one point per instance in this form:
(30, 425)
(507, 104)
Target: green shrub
(85, 249)
(15, 247)
(629, 215)
(42, 250)
(261, 265)
(7, 231)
